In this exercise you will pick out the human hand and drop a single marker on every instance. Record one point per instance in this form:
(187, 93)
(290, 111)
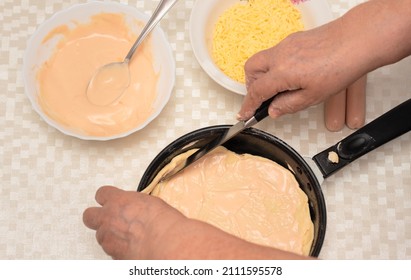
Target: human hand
(309, 66)
(128, 223)
(133, 225)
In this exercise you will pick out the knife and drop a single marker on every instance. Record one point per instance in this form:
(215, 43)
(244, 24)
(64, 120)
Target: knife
(260, 114)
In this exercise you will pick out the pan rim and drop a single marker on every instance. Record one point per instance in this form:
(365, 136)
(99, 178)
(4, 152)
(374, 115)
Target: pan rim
(185, 142)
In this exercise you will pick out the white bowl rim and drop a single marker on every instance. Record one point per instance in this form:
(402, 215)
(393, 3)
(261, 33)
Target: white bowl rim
(158, 31)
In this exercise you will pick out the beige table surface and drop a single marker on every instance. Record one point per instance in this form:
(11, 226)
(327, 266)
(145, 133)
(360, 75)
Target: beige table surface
(48, 179)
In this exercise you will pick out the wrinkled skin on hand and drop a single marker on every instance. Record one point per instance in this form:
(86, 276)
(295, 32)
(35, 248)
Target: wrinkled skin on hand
(315, 64)
(128, 222)
(133, 225)
(308, 65)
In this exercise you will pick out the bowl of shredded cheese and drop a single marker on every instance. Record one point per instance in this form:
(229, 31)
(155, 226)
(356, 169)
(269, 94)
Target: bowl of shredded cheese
(225, 33)
(68, 48)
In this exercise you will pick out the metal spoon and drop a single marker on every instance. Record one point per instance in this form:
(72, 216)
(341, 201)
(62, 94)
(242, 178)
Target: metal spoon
(111, 80)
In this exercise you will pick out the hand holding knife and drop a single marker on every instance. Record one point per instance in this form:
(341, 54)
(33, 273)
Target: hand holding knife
(260, 114)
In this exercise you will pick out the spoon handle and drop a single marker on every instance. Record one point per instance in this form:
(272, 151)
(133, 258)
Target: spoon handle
(163, 7)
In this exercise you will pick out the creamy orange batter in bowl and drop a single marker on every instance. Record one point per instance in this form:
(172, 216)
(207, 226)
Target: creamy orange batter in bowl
(255, 187)
(67, 49)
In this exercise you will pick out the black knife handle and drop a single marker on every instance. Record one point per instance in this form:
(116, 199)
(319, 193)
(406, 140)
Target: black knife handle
(262, 112)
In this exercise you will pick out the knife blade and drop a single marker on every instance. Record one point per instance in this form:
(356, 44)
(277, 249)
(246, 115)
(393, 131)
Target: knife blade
(260, 114)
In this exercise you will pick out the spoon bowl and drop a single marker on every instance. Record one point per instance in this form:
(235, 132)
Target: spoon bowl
(111, 80)
(109, 83)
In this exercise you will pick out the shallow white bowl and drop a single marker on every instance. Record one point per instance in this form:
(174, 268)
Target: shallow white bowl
(37, 53)
(204, 15)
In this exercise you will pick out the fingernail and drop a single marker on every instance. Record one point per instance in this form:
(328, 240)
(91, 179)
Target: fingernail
(245, 116)
(240, 117)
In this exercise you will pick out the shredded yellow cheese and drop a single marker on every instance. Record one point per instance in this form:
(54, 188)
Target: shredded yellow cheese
(249, 27)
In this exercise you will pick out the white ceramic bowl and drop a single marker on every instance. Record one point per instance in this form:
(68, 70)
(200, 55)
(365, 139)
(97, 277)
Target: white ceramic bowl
(37, 53)
(204, 15)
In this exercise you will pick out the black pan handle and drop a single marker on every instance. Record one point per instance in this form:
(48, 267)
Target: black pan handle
(385, 128)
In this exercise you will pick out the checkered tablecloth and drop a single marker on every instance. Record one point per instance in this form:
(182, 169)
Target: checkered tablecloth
(48, 179)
